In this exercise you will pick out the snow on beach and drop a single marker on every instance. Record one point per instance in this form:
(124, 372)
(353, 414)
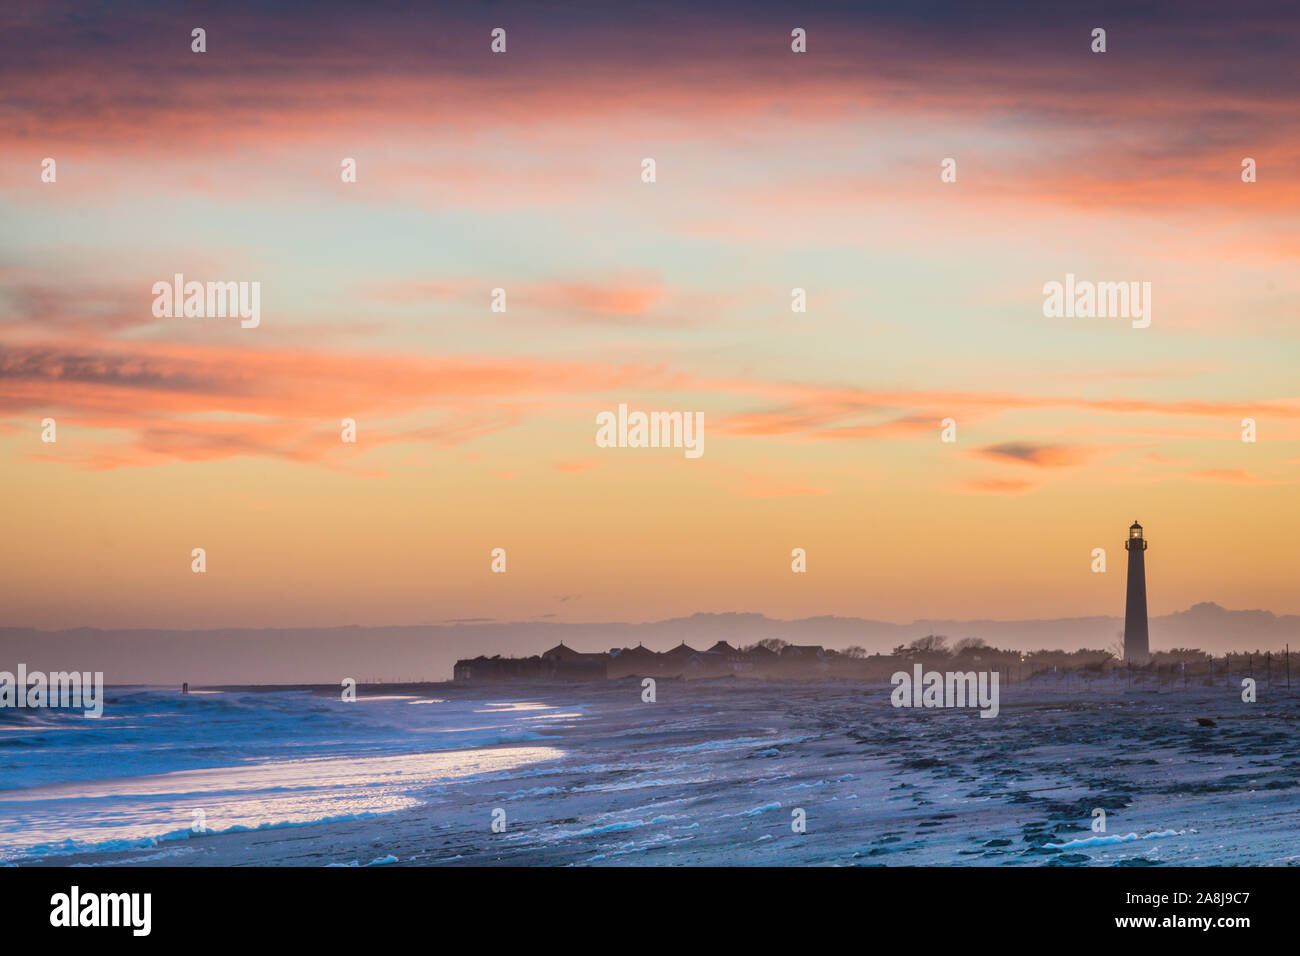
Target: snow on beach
(710, 774)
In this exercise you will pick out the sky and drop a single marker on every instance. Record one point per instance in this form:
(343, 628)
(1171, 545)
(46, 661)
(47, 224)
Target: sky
(523, 171)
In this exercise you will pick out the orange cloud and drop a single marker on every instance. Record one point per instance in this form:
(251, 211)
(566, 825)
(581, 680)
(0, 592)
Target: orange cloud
(159, 391)
(290, 403)
(596, 301)
(1042, 456)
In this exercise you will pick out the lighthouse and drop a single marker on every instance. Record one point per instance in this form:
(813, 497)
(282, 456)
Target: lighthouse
(1137, 650)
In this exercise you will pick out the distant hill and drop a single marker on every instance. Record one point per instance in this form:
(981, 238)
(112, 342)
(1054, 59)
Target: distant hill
(327, 655)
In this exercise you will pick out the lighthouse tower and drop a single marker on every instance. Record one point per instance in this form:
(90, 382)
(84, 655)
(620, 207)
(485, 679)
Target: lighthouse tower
(1137, 650)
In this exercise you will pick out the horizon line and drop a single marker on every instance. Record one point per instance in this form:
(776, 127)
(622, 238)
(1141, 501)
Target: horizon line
(475, 622)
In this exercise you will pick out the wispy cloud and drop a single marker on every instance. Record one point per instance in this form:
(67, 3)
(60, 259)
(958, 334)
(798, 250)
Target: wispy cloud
(1042, 456)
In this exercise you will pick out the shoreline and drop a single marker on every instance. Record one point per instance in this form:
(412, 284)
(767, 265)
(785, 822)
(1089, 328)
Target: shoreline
(711, 773)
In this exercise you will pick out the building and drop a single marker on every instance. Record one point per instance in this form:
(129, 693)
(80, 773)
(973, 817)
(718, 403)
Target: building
(763, 659)
(564, 663)
(737, 660)
(804, 652)
(672, 663)
(499, 668)
(1137, 649)
(637, 661)
(707, 664)
(722, 660)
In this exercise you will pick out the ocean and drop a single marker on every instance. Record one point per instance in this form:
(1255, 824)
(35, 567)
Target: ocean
(725, 772)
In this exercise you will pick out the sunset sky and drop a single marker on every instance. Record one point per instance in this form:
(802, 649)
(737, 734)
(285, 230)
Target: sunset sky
(522, 171)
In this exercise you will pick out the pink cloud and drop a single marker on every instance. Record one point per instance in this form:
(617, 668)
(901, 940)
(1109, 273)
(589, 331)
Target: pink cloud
(1042, 456)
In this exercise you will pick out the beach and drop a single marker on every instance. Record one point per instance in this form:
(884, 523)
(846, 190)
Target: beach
(720, 772)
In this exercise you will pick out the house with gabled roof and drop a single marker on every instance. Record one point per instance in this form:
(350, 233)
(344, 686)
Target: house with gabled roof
(637, 661)
(564, 663)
